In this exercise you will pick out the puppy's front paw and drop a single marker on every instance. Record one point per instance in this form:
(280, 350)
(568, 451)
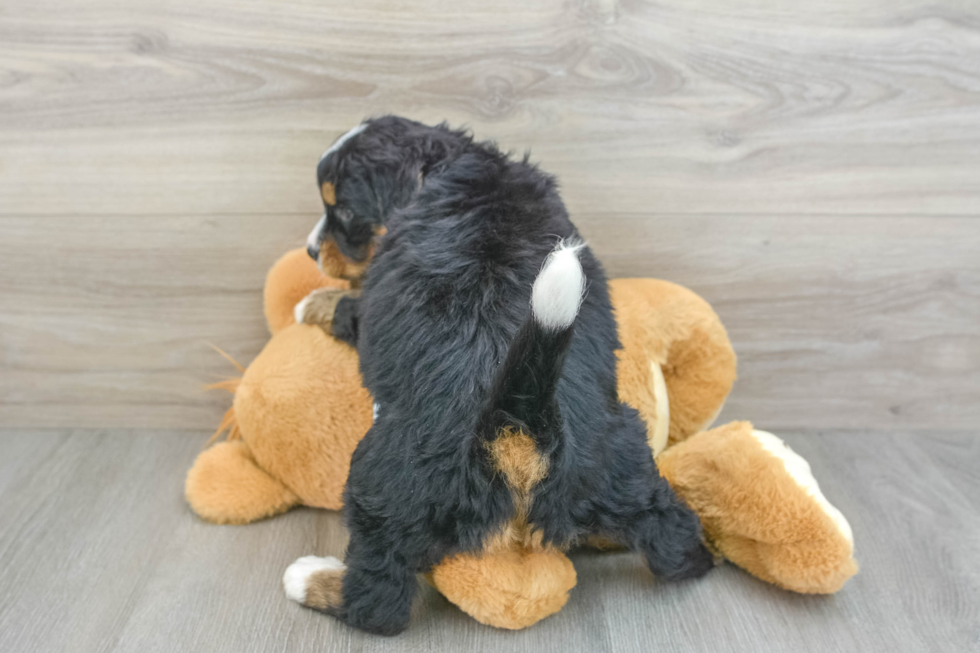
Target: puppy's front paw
(314, 582)
(299, 311)
(319, 306)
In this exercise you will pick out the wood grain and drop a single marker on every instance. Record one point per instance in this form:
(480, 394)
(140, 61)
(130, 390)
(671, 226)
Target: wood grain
(811, 170)
(838, 321)
(858, 107)
(98, 552)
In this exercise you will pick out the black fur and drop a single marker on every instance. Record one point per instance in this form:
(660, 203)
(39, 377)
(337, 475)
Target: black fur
(451, 355)
(523, 392)
(378, 172)
(345, 320)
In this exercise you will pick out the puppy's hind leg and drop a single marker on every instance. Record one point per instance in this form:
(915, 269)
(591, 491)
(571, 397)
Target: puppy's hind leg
(374, 595)
(668, 534)
(373, 591)
(379, 586)
(315, 582)
(640, 510)
(345, 320)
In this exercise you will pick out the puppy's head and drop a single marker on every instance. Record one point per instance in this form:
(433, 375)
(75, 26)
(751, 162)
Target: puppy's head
(368, 173)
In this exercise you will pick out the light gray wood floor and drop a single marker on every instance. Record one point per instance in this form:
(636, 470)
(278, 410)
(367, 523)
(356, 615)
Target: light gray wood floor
(812, 169)
(98, 552)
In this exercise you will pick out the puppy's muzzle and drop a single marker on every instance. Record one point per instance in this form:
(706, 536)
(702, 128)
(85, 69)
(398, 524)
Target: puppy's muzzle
(316, 237)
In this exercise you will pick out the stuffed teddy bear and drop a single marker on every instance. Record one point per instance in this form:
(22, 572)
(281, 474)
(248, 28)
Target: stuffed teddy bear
(300, 409)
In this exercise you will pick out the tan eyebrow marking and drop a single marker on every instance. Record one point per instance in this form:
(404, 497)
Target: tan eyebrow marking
(329, 193)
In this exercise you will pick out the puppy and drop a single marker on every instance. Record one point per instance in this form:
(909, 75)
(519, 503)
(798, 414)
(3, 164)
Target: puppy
(368, 173)
(487, 339)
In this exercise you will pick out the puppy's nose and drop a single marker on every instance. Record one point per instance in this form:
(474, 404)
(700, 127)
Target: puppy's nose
(313, 240)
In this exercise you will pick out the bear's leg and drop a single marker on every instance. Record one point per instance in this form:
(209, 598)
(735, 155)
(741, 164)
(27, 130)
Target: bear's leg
(226, 486)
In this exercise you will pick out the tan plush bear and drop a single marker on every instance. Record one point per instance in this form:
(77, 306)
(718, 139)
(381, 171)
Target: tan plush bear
(300, 410)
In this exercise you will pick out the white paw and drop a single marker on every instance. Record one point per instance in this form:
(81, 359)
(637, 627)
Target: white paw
(296, 579)
(300, 309)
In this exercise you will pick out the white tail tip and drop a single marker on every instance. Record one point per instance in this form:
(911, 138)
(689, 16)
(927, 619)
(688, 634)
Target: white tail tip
(558, 290)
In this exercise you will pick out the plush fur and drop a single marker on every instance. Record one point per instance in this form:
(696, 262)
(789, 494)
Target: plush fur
(779, 527)
(456, 361)
(512, 589)
(293, 449)
(670, 334)
(516, 587)
(288, 283)
(227, 485)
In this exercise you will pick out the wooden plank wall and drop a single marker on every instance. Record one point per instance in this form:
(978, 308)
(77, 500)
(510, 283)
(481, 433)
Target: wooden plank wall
(812, 169)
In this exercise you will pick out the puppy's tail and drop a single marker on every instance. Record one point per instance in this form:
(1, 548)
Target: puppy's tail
(523, 393)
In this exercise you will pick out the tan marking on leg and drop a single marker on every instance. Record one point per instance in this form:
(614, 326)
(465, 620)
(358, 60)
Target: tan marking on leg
(320, 306)
(314, 582)
(325, 589)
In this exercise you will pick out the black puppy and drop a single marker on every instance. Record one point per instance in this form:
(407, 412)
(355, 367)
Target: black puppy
(372, 170)
(487, 339)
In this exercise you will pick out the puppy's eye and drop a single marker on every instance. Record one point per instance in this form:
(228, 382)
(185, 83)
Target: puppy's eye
(344, 216)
